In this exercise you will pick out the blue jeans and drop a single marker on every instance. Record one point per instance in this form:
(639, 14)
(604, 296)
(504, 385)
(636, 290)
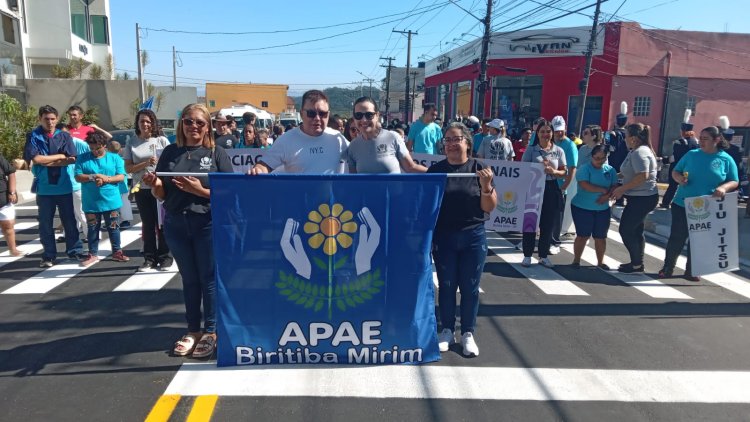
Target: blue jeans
(48, 204)
(189, 238)
(459, 263)
(94, 224)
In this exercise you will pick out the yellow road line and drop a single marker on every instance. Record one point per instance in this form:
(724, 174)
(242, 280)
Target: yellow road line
(163, 408)
(203, 408)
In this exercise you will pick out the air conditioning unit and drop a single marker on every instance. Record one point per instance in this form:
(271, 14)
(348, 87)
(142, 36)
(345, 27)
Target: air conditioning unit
(13, 5)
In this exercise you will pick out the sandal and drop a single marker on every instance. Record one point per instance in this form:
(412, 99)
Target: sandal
(185, 345)
(205, 347)
(665, 274)
(604, 267)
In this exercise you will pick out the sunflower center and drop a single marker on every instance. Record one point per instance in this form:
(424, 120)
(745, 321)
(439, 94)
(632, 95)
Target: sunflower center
(330, 226)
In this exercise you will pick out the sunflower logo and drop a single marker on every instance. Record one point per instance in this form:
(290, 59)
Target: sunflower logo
(697, 209)
(330, 227)
(507, 203)
(698, 203)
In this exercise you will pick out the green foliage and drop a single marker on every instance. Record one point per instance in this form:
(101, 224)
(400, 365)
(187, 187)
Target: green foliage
(91, 115)
(344, 295)
(73, 69)
(15, 123)
(341, 99)
(96, 72)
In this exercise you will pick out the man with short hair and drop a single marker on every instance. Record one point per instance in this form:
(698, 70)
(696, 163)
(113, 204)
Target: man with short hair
(77, 129)
(479, 137)
(313, 148)
(425, 133)
(223, 137)
(52, 151)
(249, 118)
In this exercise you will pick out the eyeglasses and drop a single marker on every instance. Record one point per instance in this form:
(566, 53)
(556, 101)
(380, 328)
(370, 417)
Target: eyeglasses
(194, 122)
(369, 115)
(454, 140)
(312, 113)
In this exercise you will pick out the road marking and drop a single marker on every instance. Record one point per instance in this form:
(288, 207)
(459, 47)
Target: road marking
(50, 278)
(147, 281)
(23, 225)
(726, 280)
(544, 278)
(202, 409)
(27, 248)
(641, 282)
(26, 207)
(465, 382)
(163, 408)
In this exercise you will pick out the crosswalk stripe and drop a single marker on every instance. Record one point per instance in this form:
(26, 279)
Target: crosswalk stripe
(51, 278)
(465, 382)
(26, 207)
(22, 225)
(640, 282)
(726, 280)
(27, 248)
(147, 281)
(544, 278)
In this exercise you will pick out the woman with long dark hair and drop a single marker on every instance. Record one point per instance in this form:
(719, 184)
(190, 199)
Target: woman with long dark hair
(638, 173)
(592, 136)
(141, 155)
(708, 170)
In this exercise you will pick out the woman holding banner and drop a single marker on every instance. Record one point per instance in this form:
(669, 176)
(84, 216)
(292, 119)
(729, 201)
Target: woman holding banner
(638, 173)
(459, 246)
(376, 150)
(545, 152)
(141, 155)
(187, 223)
(705, 171)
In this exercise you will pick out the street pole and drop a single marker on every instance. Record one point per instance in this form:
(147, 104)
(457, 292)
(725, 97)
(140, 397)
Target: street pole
(409, 33)
(174, 69)
(413, 90)
(483, 83)
(140, 66)
(387, 84)
(587, 71)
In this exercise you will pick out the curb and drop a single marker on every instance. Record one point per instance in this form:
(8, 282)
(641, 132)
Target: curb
(26, 196)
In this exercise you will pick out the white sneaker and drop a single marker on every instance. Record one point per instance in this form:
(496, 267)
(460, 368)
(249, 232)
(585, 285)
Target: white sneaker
(554, 250)
(526, 261)
(445, 339)
(469, 345)
(546, 262)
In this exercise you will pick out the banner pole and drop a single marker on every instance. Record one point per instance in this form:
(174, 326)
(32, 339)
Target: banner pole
(180, 174)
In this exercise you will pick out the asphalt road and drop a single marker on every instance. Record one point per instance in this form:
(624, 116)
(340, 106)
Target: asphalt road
(562, 344)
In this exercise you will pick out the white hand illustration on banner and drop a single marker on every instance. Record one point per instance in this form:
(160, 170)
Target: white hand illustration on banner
(368, 242)
(293, 249)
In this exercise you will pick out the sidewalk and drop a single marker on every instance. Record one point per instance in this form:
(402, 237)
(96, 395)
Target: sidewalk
(24, 178)
(660, 221)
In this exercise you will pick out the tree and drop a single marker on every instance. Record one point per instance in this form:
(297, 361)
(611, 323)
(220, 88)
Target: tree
(96, 72)
(15, 123)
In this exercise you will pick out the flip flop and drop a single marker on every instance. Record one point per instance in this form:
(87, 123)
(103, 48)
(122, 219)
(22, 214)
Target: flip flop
(205, 347)
(185, 345)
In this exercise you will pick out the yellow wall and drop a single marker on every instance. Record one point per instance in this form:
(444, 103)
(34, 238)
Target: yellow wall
(227, 95)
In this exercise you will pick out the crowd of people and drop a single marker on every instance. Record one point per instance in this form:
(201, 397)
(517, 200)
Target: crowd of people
(80, 174)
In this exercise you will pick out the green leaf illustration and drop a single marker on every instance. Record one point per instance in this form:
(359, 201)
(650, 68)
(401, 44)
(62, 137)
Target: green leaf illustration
(308, 288)
(345, 289)
(341, 305)
(281, 285)
(358, 299)
(315, 290)
(319, 305)
(286, 292)
(376, 274)
(295, 282)
(320, 263)
(294, 296)
(310, 302)
(301, 300)
(350, 302)
(337, 291)
(365, 294)
(378, 283)
(339, 263)
(282, 276)
(373, 290)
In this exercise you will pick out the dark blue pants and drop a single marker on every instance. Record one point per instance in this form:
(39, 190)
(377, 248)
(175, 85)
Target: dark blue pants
(678, 235)
(632, 224)
(459, 263)
(189, 238)
(48, 204)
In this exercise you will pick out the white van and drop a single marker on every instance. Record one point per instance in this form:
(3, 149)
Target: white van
(264, 118)
(289, 118)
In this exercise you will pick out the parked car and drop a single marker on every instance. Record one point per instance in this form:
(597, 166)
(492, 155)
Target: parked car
(123, 136)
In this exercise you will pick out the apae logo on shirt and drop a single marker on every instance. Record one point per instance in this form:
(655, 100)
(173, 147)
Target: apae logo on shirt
(205, 163)
(381, 149)
(229, 143)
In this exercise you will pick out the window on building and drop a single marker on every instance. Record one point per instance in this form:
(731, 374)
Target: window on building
(79, 17)
(691, 102)
(264, 103)
(9, 29)
(211, 103)
(642, 106)
(100, 29)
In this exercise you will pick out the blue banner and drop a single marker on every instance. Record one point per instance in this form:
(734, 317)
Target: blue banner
(325, 269)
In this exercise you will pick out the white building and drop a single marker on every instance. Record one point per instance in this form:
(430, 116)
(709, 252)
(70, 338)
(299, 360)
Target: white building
(38, 34)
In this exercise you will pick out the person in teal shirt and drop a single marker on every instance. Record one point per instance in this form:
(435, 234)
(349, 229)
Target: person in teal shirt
(590, 207)
(571, 158)
(424, 134)
(100, 172)
(705, 171)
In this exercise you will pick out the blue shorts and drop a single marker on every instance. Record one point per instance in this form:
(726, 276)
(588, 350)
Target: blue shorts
(591, 223)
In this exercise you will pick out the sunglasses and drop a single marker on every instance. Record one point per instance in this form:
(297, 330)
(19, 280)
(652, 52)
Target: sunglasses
(369, 115)
(194, 122)
(312, 113)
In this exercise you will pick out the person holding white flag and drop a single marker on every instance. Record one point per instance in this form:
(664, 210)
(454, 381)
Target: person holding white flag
(705, 171)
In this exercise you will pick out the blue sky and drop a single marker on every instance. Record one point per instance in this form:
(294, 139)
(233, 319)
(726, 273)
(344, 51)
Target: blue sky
(286, 45)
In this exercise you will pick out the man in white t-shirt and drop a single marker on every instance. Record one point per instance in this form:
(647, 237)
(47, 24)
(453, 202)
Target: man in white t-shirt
(312, 148)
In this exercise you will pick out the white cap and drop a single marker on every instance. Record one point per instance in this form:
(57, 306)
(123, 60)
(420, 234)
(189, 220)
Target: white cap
(558, 123)
(497, 124)
(474, 120)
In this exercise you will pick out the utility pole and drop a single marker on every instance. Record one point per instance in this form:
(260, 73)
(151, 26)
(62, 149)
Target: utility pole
(141, 89)
(409, 33)
(483, 83)
(587, 71)
(387, 84)
(174, 69)
(413, 90)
